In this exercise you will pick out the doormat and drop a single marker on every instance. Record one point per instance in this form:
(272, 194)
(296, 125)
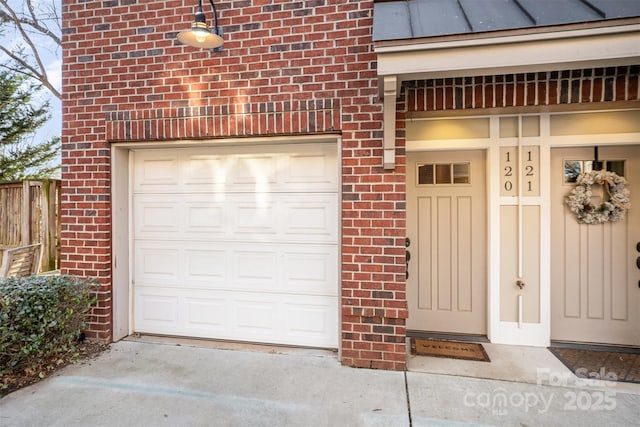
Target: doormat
(449, 349)
(598, 364)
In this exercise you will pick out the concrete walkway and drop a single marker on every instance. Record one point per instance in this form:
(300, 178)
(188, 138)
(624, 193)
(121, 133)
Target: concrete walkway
(150, 384)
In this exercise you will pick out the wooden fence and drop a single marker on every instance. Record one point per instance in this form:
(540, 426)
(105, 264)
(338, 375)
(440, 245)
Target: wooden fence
(30, 213)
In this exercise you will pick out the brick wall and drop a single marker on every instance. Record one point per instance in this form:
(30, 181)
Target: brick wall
(568, 87)
(287, 68)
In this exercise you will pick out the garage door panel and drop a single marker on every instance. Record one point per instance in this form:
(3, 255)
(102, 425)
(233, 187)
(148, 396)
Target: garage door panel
(311, 270)
(274, 318)
(315, 168)
(256, 318)
(156, 169)
(259, 171)
(181, 264)
(206, 313)
(157, 310)
(204, 217)
(310, 316)
(305, 320)
(305, 270)
(254, 217)
(237, 243)
(157, 216)
(167, 216)
(309, 168)
(255, 270)
(157, 264)
(206, 265)
(204, 169)
(309, 218)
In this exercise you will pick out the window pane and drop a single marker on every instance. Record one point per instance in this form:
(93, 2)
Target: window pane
(572, 168)
(461, 173)
(587, 166)
(616, 166)
(425, 174)
(443, 174)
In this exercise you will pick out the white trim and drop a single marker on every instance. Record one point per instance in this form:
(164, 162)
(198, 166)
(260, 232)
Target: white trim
(598, 139)
(526, 334)
(493, 240)
(448, 144)
(520, 224)
(544, 336)
(120, 247)
(130, 231)
(389, 126)
(123, 224)
(403, 46)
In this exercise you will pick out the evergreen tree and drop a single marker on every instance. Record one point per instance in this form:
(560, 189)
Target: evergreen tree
(21, 157)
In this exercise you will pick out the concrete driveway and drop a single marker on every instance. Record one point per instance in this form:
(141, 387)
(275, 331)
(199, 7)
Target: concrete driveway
(150, 384)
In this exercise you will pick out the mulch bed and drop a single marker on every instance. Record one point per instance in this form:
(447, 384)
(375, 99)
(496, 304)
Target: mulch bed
(19, 379)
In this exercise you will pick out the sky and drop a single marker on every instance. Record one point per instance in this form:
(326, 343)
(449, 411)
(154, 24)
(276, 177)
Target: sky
(54, 125)
(51, 56)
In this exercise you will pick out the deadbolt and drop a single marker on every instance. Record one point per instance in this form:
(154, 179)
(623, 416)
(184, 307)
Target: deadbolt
(407, 242)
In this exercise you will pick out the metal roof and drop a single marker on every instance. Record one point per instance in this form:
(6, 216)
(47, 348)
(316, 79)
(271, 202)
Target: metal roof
(410, 19)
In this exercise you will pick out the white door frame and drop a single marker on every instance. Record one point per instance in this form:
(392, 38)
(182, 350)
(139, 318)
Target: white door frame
(122, 214)
(510, 332)
(491, 158)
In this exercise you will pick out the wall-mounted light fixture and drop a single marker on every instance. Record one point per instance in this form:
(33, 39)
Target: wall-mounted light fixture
(199, 35)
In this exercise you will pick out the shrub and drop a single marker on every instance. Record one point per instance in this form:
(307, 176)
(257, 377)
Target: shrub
(41, 318)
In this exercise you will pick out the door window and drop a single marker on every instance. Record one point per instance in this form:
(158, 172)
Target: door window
(573, 168)
(443, 173)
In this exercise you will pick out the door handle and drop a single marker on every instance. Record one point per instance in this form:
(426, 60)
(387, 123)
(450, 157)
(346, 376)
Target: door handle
(638, 260)
(407, 256)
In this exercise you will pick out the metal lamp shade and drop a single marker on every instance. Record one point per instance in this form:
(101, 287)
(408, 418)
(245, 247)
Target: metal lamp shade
(200, 36)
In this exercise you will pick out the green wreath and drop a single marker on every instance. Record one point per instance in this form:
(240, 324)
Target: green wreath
(611, 210)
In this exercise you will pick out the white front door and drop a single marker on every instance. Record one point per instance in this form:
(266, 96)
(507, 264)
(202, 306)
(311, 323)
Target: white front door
(446, 227)
(237, 243)
(595, 293)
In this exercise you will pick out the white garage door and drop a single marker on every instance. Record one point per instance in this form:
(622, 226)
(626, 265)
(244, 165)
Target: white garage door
(237, 243)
